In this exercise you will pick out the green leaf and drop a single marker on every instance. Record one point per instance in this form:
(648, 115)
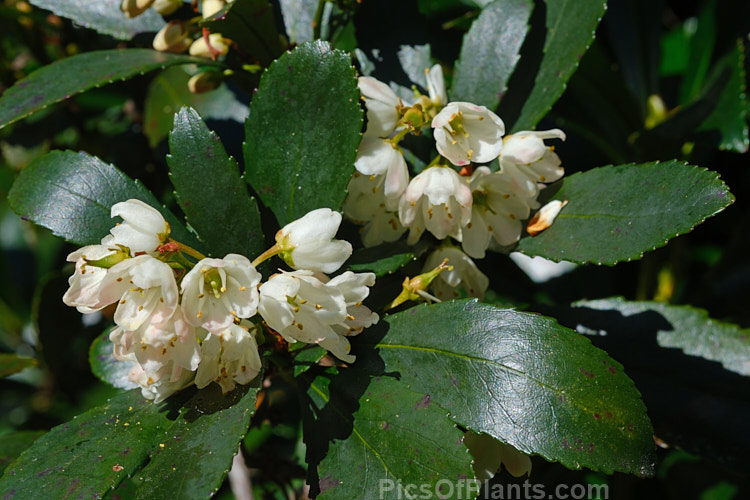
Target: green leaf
(11, 363)
(210, 190)
(570, 30)
(701, 47)
(382, 259)
(523, 379)
(692, 330)
(299, 16)
(169, 92)
(617, 213)
(370, 435)
(729, 115)
(72, 193)
(73, 75)
(415, 59)
(103, 16)
(303, 131)
(106, 367)
(251, 25)
(490, 52)
(11, 445)
(187, 448)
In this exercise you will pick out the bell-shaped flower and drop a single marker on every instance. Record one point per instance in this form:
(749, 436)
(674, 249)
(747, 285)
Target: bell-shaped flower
(170, 379)
(133, 8)
(300, 307)
(436, 85)
(365, 205)
(377, 156)
(355, 288)
(439, 200)
(210, 47)
(462, 278)
(382, 104)
(173, 37)
(307, 243)
(497, 212)
(466, 133)
(490, 455)
(229, 357)
(85, 283)
(528, 161)
(216, 291)
(143, 228)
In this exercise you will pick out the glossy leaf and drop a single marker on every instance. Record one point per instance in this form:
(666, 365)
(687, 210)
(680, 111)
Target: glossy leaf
(302, 134)
(93, 453)
(73, 75)
(617, 213)
(210, 190)
(570, 30)
(12, 444)
(104, 16)
(299, 16)
(415, 59)
(369, 439)
(169, 92)
(251, 25)
(11, 363)
(490, 52)
(106, 367)
(523, 379)
(691, 330)
(71, 194)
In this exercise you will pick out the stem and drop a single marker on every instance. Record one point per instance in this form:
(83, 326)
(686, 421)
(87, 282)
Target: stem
(188, 250)
(397, 138)
(274, 250)
(318, 19)
(434, 162)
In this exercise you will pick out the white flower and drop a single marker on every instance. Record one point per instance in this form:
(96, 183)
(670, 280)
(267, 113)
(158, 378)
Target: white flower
(83, 293)
(216, 291)
(307, 243)
(525, 158)
(437, 199)
(464, 275)
(165, 386)
(143, 228)
(300, 307)
(354, 287)
(377, 156)
(365, 204)
(465, 132)
(229, 357)
(496, 213)
(210, 47)
(489, 454)
(382, 106)
(436, 85)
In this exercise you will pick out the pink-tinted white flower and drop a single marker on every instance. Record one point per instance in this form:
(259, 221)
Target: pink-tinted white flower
(307, 243)
(85, 282)
(143, 228)
(439, 200)
(382, 106)
(497, 212)
(464, 275)
(229, 357)
(365, 205)
(216, 291)
(377, 156)
(466, 133)
(527, 160)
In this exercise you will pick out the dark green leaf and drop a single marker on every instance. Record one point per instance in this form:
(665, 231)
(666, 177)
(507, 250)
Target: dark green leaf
(570, 30)
(490, 52)
(370, 435)
(67, 77)
(106, 367)
(700, 50)
(251, 25)
(691, 330)
(72, 193)
(210, 190)
(91, 454)
(303, 131)
(298, 19)
(381, 260)
(729, 116)
(415, 59)
(169, 92)
(525, 380)
(11, 363)
(11, 445)
(104, 16)
(617, 213)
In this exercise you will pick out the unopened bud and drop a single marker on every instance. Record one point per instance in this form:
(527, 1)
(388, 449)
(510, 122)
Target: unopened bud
(211, 7)
(133, 8)
(204, 82)
(166, 7)
(414, 288)
(172, 38)
(545, 217)
(210, 47)
(414, 117)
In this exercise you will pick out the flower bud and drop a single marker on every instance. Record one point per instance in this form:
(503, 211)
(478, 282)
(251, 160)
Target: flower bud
(172, 38)
(205, 81)
(308, 243)
(210, 47)
(211, 7)
(166, 7)
(133, 8)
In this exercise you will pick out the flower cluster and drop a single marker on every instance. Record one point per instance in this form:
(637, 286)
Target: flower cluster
(477, 207)
(180, 36)
(184, 318)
